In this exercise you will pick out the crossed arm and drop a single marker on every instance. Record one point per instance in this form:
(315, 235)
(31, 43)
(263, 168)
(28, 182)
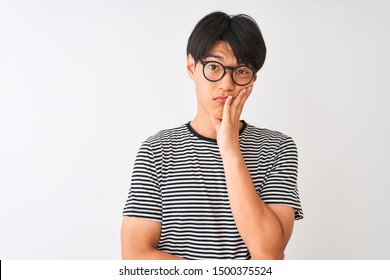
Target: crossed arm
(140, 238)
(265, 229)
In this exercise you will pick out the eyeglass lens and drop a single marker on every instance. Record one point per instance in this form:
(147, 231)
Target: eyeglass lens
(214, 71)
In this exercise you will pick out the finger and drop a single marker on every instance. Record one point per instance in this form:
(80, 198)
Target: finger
(239, 103)
(237, 100)
(244, 98)
(227, 107)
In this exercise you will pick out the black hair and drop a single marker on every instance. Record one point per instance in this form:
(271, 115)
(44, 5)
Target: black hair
(241, 32)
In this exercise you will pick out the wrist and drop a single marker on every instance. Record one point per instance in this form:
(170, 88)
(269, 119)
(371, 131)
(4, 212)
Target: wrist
(231, 154)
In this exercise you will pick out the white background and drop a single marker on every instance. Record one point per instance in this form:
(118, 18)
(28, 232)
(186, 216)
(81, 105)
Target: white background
(83, 83)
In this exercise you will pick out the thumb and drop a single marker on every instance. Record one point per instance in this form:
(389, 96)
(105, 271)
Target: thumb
(216, 122)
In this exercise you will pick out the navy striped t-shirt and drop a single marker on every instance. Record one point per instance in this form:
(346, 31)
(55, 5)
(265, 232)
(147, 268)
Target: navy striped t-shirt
(178, 179)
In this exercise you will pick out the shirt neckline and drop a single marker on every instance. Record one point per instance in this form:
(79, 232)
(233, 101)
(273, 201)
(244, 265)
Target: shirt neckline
(196, 134)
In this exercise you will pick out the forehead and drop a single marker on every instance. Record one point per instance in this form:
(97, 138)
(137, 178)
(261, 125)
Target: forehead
(222, 51)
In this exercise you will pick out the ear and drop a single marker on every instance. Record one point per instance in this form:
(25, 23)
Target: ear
(190, 66)
(255, 77)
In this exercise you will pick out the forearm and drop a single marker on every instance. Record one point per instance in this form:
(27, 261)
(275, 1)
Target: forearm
(148, 254)
(257, 224)
(139, 240)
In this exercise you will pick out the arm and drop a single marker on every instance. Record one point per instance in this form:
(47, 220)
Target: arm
(265, 229)
(140, 238)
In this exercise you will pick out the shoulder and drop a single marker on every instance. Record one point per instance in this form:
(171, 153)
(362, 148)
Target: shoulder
(167, 136)
(253, 134)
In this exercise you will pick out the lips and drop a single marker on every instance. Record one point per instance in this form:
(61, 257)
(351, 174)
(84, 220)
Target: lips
(221, 99)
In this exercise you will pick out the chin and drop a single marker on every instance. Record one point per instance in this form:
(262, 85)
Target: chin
(217, 114)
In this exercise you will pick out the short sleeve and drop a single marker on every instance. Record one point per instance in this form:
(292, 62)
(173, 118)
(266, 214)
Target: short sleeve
(280, 186)
(144, 199)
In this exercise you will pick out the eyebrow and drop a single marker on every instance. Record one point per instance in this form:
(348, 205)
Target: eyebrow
(222, 58)
(214, 56)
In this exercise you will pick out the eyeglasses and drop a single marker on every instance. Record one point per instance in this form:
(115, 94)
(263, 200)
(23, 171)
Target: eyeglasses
(214, 71)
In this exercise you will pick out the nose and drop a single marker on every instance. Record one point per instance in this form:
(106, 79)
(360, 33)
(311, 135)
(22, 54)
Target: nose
(226, 83)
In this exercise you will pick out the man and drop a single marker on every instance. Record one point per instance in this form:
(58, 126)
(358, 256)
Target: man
(215, 187)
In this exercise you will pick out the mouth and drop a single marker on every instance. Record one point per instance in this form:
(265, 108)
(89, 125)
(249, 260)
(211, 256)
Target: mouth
(221, 99)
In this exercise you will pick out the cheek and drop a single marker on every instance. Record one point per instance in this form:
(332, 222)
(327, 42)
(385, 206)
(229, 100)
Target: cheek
(204, 89)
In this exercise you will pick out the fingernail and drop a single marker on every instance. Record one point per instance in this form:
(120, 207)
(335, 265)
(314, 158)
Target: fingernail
(244, 90)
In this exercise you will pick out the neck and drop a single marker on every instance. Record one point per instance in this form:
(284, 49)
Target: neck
(203, 126)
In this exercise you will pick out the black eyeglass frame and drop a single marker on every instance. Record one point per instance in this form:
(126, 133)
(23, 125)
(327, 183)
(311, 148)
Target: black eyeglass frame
(204, 63)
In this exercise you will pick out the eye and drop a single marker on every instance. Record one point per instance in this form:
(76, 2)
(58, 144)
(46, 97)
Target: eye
(214, 66)
(242, 71)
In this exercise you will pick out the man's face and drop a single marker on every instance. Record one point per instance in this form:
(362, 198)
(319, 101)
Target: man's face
(211, 96)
